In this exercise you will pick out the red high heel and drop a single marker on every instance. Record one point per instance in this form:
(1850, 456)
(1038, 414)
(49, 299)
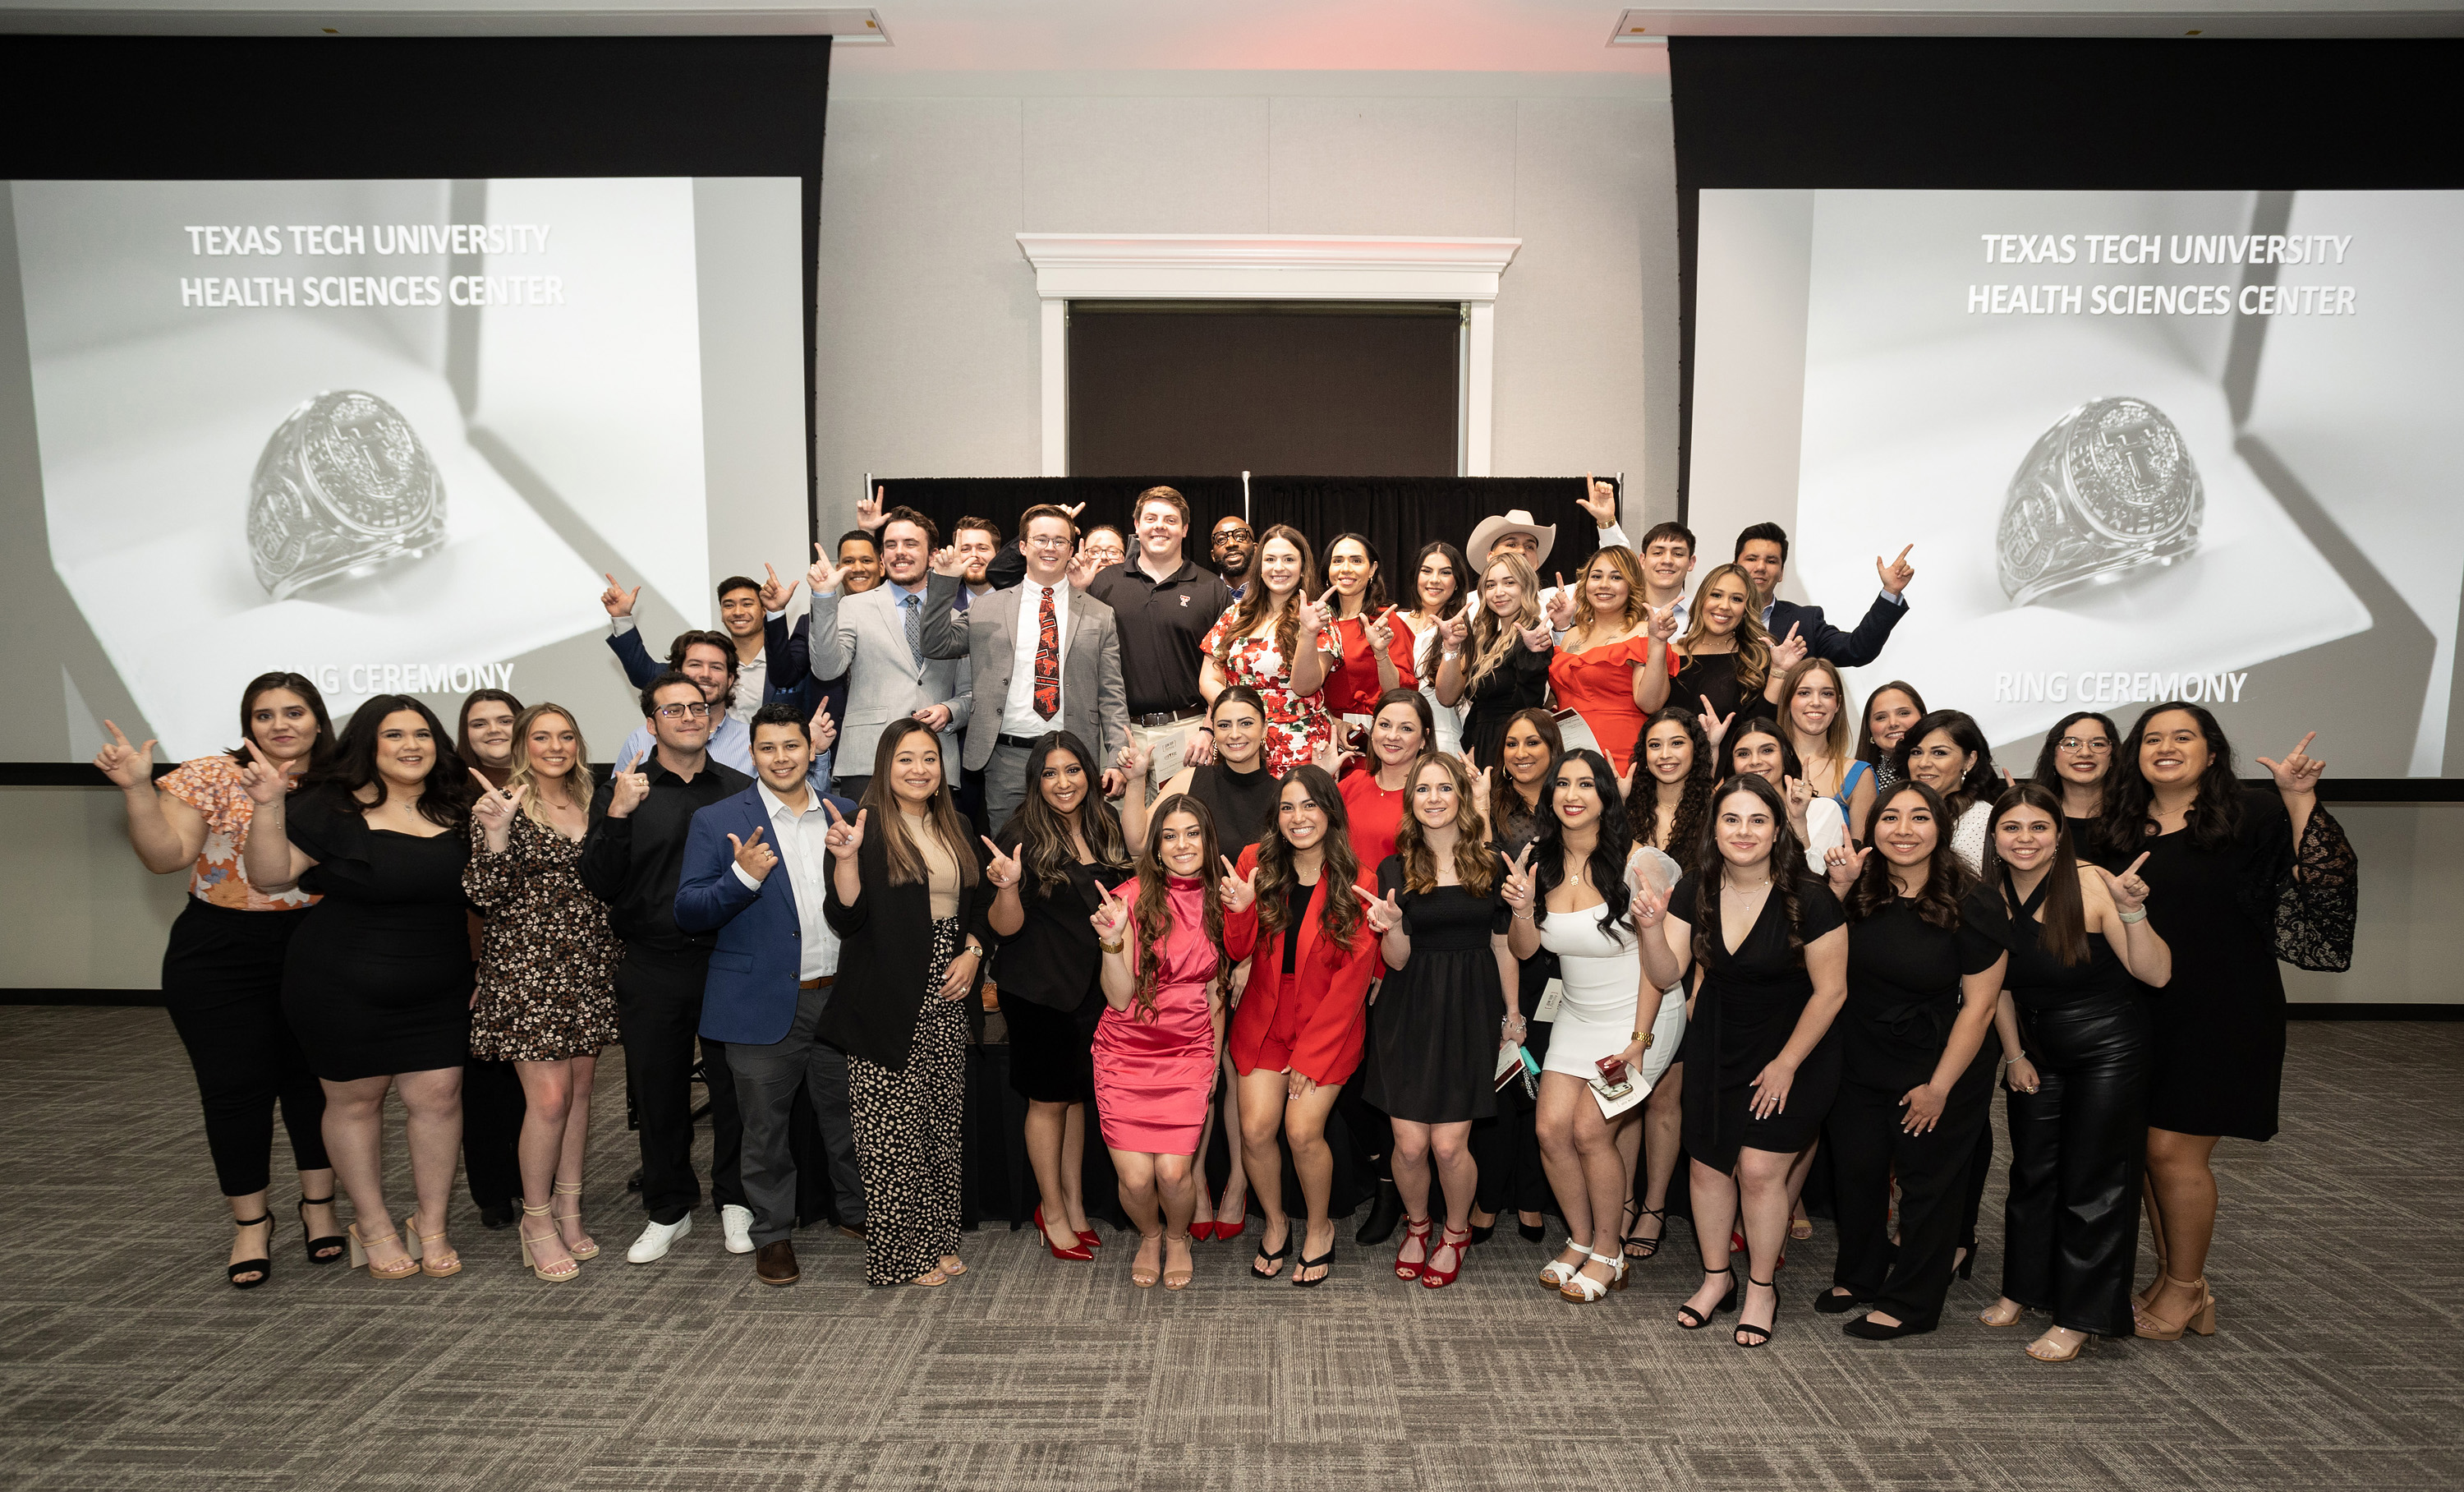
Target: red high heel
(1090, 1239)
(1237, 1226)
(1077, 1252)
(1410, 1269)
(1436, 1278)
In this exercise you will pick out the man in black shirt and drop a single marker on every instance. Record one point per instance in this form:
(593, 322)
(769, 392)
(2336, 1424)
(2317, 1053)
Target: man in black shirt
(1163, 607)
(630, 860)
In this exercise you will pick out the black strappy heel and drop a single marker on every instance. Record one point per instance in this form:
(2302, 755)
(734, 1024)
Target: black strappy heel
(326, 1250)
(1275, 1257)
(1693, 1319)
(262, 1268)
(1639, 1248)
(1762, 1334)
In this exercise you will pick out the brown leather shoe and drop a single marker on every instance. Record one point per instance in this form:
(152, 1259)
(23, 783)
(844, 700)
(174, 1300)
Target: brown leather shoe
(774, 1263)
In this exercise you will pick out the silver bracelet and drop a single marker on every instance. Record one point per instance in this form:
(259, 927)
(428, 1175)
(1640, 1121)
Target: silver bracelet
(2139, 916)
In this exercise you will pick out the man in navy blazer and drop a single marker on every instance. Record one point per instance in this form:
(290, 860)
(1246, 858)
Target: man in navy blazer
(1762, 552)
(756, 874)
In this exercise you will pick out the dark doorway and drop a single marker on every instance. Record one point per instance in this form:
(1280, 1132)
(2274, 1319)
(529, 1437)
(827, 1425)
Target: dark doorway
(1332, 389)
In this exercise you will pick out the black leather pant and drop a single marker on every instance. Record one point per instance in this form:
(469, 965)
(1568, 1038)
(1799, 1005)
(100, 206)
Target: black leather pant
(2070, 1223)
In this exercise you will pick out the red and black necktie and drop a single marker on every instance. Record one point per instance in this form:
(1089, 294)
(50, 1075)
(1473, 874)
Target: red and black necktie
(1047, 661)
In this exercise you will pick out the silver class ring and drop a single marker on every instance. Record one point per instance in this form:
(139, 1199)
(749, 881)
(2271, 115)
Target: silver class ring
(343, 487)
(2109, 488)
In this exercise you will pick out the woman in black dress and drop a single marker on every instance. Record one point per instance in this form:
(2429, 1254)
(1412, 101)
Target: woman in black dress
(1441, 1018)
(1761, 1049)
(1506, 1149)
(1729, 667)
(1493, 655)
(1925, 974)
(1238, 792)
(378, 980)
(2078, 936)
(1061, 846)
(222, 974)
(2219, 858)
(2075, 764)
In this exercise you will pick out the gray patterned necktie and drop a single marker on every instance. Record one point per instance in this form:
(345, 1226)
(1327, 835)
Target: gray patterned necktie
(915, 608)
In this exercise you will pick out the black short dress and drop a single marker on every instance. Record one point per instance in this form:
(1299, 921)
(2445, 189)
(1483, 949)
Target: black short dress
(1745, 1013)
(1434, 1032)
(378, 979)
(1242, 804)
(1520, 681)
(1048, 974)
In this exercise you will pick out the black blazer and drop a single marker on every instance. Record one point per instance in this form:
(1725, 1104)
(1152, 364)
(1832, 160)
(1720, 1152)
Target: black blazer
(1847, 649)
(886, 954)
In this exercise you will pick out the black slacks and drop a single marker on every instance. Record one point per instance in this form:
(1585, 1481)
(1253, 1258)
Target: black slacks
(493, 1107)
(658, 1015)
(1867, 1146)
(2070, 1226)
(222, 982)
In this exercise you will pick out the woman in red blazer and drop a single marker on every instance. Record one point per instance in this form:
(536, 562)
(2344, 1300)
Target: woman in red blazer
(1292, 908)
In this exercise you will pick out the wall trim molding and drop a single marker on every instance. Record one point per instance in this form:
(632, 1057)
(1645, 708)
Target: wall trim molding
(1272, 267)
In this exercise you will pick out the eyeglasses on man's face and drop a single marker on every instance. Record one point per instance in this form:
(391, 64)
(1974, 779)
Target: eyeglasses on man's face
(697, 710)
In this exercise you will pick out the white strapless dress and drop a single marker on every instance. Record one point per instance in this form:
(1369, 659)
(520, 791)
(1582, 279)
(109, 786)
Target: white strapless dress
(1602, 970)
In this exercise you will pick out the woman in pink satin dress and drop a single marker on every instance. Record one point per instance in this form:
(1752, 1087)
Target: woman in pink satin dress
(1157, 1043)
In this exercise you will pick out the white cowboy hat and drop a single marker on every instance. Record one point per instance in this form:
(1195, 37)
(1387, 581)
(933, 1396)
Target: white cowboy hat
(1517, 521)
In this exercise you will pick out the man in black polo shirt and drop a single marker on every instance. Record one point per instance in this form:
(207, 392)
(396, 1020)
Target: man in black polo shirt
(1163, 607)
(630, 860)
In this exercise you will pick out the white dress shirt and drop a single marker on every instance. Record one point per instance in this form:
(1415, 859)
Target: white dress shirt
(1017, 714)
(805, 859)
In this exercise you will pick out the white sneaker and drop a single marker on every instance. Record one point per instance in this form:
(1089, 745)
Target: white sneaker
(656, 1239)
(737, 1224)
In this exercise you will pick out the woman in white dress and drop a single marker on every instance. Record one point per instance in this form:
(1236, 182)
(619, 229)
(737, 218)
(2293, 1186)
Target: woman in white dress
(1570, 893)
(1439, 593)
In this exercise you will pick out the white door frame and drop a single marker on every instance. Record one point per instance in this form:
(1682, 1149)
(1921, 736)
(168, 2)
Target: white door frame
(1272, 267)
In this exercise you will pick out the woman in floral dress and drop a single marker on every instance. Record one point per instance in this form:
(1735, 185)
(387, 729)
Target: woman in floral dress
(1260, 642)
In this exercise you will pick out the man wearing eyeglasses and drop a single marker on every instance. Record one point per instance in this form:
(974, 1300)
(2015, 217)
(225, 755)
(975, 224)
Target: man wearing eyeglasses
(708, 659)
(631, 858)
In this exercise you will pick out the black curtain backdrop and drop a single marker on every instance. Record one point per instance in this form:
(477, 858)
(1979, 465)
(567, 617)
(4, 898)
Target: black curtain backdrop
(1399, 514)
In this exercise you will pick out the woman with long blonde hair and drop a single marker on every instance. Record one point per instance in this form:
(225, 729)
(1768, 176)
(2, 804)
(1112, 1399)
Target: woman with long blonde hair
(1613, 666)
(1494, 655)
(1280, 641)
(1165, 978)
(547, 971)
(1727, 662)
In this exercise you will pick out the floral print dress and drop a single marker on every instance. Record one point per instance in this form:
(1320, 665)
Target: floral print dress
(547, 958)
(1297, 725)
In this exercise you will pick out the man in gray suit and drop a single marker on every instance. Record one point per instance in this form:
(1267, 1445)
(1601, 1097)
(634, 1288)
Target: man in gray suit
(876, 641)
(1043, 656)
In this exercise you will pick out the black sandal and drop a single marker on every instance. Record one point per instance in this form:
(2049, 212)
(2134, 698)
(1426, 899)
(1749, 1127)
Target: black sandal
(1762, 1334)
(326, 1250)
(1693, 1319)
(1275, 1258)
(1325, 1262)
(1643, 1248)
(262, 1268)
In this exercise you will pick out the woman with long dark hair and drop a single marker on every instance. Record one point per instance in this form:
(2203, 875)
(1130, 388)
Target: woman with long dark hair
(2078, 936)
(1924, 973)
(1889, 711)
(1584, 875)
(1760, 1048)
(1441, 1018)
(1670, 805)
(1945, 751)
(911, 906)
(1050, 867)
(1165, 979)
(378, 980)
(1373, 648)
(1237, 787)
(1400, 729)
(484, 736)
(1441, 587)
(1612, 667)
(1297, 1036)
(1493, 657)
(546, 998)
(2221, 859)
(2076, 764)
(1276, 640)
(1506, 1149)
(1762, 748)
(222, 971)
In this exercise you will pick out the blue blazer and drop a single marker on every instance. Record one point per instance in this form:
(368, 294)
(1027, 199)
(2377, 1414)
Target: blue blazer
(758, 961)
(789, 678)
(1847, 649)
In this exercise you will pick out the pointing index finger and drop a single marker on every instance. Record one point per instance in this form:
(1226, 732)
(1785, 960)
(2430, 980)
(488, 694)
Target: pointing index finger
(1904, 555)
(2132, 869)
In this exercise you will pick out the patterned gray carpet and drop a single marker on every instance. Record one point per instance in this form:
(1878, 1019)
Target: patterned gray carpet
(125, 1362)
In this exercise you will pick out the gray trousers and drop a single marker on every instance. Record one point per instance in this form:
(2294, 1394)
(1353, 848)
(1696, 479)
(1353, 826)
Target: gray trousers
(1005, 784)
(766, 1079)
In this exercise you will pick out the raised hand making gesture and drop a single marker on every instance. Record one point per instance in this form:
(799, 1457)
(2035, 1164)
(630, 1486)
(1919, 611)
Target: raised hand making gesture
(1897, 574)
(868, 510)
(1561, 604)
(1313, 615)
(1111, 920)
(844, 838)
(2128, 891)
(775, 593)
(618, 600)
(1843, 865)
(822, 576)
(1381, 632)
(2299, 773)
(1715, 725)
(949, 563)
(1599, 499)
(1538, 636)
(753, 858)
(260, 779)
(1239, 892)
(1660, 621)
(1003, 871)
(1516, 888)
(127, 766)
(1385, 913)
(493, 810)
(1786, 652)
(821, 730)
(628, 787)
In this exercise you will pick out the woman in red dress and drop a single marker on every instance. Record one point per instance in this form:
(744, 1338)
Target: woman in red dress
(1372, 796)
(1613, 666)
(1374, 647)
(1163, 977)
(1295, 903)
